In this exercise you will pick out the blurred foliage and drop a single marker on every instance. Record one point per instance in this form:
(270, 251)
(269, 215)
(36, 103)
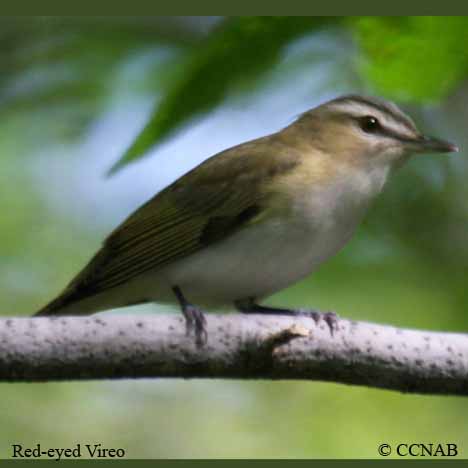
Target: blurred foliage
(410, 58)
(239, 50)
(68, 63)
(415, 59)
(63, 80)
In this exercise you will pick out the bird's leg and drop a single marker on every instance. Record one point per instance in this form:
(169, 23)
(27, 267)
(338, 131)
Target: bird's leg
(194, 318)
(250, 307)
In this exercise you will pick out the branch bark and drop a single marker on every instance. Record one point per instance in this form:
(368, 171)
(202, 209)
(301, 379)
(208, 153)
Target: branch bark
(239, 346)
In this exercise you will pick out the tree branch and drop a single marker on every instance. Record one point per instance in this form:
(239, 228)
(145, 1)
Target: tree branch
(239, 346)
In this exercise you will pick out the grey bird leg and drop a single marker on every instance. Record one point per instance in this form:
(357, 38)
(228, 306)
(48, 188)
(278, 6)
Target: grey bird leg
(194, 318)
(250, 307)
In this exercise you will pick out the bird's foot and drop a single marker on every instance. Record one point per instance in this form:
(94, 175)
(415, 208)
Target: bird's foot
(250, 307)
(329, 317)
(194, 318)
(195, 321)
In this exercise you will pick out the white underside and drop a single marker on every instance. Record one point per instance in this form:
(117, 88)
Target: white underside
(255, 262)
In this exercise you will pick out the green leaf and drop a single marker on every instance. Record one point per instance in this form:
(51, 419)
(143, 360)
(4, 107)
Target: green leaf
(415, 58)
(241, 48)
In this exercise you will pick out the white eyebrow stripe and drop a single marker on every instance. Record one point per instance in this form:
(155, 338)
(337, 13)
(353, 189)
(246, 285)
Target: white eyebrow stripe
(389, 115)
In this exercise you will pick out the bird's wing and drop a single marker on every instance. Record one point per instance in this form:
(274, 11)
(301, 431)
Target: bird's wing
(203, 207)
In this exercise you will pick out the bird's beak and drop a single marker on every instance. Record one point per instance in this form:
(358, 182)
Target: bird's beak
(427, 144)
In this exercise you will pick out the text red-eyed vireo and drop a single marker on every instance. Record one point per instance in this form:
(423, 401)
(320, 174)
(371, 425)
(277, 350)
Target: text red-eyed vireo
(252, 219)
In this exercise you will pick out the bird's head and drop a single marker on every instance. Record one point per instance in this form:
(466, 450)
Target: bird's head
(367, 131)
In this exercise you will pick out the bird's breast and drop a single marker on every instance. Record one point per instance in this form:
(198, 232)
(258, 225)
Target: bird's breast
(257, 261)
(333, 198)
(302, 229)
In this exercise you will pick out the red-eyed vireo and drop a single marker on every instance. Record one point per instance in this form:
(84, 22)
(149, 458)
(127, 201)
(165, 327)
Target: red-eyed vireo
(252, 219)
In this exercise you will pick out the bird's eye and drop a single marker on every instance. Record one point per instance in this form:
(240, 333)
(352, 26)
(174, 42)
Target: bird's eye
(369, 124)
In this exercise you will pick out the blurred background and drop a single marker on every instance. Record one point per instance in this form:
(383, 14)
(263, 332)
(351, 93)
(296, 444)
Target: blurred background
(75, 95)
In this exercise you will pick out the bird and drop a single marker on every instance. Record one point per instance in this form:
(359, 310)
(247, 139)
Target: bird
(252, 219)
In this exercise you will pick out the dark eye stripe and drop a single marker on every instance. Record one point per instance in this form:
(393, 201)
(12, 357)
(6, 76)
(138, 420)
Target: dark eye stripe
(397, 136)
(390, 133)
(372, 125)
(379, 106)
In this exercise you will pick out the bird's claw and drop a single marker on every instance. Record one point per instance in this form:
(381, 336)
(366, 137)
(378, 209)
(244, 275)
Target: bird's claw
(330, 318)
(195, 321)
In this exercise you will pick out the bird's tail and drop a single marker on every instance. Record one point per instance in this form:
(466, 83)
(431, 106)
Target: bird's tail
(76, 298)
(62, 304)
(58, 306)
